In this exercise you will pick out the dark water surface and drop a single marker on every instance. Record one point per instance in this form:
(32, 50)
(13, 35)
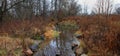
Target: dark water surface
(59, 47)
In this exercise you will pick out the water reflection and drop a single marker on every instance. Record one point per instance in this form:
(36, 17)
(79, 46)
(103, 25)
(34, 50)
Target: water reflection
(59, 47)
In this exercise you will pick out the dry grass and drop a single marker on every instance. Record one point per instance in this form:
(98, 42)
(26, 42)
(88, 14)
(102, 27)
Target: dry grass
(101, 35)
(12, 46)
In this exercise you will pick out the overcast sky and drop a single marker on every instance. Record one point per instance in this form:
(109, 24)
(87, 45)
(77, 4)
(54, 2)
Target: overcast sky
(91, 3)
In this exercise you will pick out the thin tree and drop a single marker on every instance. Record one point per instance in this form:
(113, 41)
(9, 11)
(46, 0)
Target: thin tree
(104, 7)
(5, 7)
(118, 10)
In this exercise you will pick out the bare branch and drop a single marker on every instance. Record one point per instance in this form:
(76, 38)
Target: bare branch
(13, 5)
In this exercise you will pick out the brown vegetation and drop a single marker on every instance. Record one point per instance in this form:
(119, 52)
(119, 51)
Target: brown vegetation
(12, 46)
(101, 35)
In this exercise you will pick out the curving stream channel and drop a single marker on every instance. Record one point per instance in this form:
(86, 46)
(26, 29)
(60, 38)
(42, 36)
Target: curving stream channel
(59, 47)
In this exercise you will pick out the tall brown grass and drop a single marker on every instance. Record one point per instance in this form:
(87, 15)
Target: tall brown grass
(12, 46)
(101, 34)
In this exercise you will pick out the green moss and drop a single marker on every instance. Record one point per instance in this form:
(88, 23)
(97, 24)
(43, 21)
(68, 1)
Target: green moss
(3, 52)
(18, 52)
(68, 25)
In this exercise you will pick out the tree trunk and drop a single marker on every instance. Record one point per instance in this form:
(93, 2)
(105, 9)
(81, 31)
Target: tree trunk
(1, 17)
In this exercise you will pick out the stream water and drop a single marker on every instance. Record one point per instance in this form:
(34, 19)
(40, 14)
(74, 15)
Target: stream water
(56, 48)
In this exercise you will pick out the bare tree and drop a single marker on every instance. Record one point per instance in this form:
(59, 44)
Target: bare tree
(118, 10)
(85, 8)
(54, 8)
(38, 7)
(44, 8)
(104, 7)
(24, 10)
(64, 8)
(73, 8)
(5, 7)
